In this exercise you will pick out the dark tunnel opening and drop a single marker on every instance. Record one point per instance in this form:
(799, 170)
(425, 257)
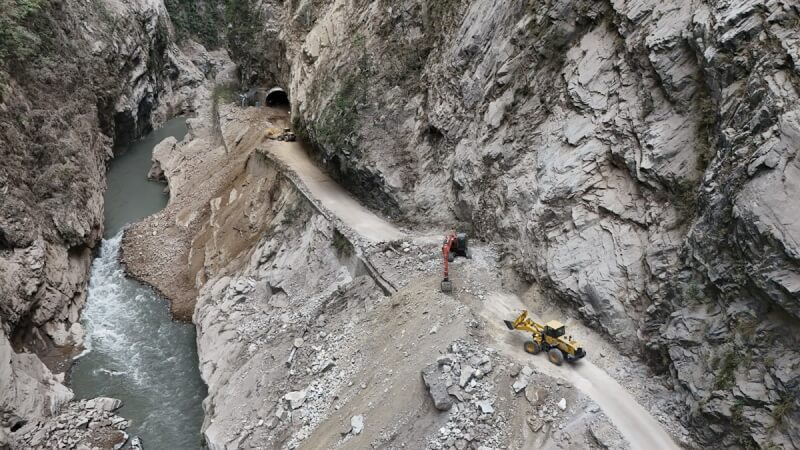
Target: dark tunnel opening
(277, 97)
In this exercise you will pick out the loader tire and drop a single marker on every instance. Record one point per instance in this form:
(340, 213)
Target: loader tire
(533, 347)
(555, 356)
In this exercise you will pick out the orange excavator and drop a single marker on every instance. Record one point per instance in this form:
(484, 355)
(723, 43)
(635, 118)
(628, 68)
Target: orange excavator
(454, 245)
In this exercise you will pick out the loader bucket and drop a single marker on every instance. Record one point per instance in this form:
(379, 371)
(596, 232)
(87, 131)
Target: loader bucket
(509, 324)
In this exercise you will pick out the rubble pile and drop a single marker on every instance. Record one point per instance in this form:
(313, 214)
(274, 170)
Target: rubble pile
(461, 383)
(83, 425)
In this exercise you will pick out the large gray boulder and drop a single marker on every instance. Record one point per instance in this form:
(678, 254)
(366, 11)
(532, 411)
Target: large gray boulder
(437, 387)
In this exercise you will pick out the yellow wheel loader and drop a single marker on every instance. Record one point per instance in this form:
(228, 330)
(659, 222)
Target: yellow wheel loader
(548, 337)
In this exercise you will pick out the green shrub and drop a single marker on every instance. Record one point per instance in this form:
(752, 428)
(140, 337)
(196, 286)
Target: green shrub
(225, 93)
(342, 245)
(3, 84)
(337, 123)
(292, 213)
(747, 328)
(692, 293)
(746, 443)
(18, 39)
(202, 21)
(737, 412)
(725, 374)
(783, 408)
(684, 199)
(242, 25)
(708, 120)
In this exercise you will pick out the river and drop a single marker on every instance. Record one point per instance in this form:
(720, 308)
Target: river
(134, 350)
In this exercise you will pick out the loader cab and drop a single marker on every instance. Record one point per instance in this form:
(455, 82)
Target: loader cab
(554, 329)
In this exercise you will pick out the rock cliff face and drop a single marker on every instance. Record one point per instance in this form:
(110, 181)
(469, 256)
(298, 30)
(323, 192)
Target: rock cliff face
(640, 158)
(75, 79)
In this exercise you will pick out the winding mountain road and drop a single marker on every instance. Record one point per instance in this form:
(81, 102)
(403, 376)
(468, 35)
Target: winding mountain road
(332, 196)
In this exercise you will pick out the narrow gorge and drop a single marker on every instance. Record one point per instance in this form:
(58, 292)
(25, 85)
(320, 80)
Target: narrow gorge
(221, 223)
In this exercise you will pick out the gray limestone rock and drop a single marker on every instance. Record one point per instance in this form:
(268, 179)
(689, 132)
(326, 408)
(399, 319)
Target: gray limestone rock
(467, 372)
(486, 406)
(436, 387)
(642, 171)
(520, 384)
(357, 424)
(295, 398)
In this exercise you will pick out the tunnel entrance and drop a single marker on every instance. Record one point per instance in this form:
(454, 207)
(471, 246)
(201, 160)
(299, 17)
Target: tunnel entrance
(277, 97)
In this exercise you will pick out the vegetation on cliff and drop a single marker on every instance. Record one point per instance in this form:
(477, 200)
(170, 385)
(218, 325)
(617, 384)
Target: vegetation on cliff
(18, 32)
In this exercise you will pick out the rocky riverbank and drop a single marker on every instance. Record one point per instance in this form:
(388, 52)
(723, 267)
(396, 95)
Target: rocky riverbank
(81, 425)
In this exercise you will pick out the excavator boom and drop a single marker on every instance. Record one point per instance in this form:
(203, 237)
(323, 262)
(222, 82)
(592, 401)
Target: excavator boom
(447, 285)
(454, 245)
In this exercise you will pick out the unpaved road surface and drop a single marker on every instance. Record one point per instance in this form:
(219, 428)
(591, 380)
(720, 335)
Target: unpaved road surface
(635, 423)
(332, 196)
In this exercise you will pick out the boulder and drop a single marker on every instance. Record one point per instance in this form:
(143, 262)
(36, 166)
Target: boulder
(520, 384)
(604, 435)
(486, 406)
(281, 413)
(458, 393)
(437, 387)
(104, 404)
(136, 443)
(295, 398)
(534, 424)
(467, 372)
(532, 395)
(326, 366)
(357, 423)
(447, 359)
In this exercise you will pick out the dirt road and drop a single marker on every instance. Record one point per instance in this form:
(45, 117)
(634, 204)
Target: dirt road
(636, 424)
(332, 196)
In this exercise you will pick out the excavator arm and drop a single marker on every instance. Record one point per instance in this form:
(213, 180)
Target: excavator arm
(447, 247)
(454, 245)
